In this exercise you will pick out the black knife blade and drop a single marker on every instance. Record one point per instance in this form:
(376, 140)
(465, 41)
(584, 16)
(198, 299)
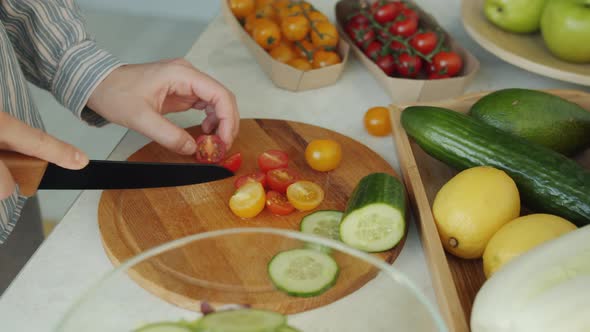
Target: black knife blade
(106, 174)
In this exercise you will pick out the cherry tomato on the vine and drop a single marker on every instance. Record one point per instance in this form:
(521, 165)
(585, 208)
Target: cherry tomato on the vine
(449, 63)
(409, 65)
(404, 27)
(424, 42)
(387, 12)
(386, 63)
(373, 50)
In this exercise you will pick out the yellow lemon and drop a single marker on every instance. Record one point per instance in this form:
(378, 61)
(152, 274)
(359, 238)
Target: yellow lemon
(472, 206)
(519, 236)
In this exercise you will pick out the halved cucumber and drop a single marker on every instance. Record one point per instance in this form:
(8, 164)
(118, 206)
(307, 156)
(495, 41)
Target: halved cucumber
(303, 272)
(164, 327)
(241, 320)
(324, 223)
(374, 219)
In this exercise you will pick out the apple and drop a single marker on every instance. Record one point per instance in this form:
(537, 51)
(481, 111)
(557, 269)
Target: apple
(520, 16)
(565, 26)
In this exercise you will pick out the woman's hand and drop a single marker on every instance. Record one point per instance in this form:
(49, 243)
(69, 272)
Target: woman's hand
(17, 136)
(137, 97)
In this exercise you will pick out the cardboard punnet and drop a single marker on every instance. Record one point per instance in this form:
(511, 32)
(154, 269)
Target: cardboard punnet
(283, 75)
(403, 90)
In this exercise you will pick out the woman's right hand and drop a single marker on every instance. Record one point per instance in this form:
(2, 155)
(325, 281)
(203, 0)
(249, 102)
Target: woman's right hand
(17, 136)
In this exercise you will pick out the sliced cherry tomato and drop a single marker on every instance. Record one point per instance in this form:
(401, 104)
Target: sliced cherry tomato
(386, 63)
(257, 176)
(373, 50)
(233, 162)
(387, 12)
(305, 195)
(425, 42)
(294, 27)
(405, 27)
(409, 65)
(447, 63)
(323, 59)
(210, 149)
(323, 154)
(278, 204)
(377, 121)
(248, 201)
(279, 179)
(272, 159)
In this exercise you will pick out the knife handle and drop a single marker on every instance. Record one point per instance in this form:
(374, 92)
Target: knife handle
(26, 171)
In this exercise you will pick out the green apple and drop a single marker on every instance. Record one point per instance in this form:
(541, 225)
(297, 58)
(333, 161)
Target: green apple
(565, 26)
(520, 16)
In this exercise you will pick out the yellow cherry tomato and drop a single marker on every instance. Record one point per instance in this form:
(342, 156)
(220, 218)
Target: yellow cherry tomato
(248, 201)
(377, 121)
(242, 8)
(323, 154)
(294, 27)
(324, 34)
(266, 33)
(305, 195)
(300, 63)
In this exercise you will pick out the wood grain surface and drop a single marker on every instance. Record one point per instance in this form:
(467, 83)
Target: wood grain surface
(527, 51)
(456, 281)
(231, 270)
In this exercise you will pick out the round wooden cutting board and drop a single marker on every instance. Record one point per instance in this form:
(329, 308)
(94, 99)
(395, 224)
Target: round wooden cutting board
(231, 271)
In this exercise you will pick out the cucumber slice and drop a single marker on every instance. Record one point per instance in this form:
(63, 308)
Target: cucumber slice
(324, 223)
(303, 272)
(374, 219)
(164, 327)
(241, 320)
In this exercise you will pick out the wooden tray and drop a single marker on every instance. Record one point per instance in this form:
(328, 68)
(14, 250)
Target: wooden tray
(456, 281)
(525, 51)
(132, 221)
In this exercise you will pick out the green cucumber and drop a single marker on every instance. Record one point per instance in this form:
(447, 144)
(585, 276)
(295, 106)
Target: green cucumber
(164, 327)
(303, 272)
(241, 320)
(325, 223)
(375, 215)
(540, 117)
(547, 181)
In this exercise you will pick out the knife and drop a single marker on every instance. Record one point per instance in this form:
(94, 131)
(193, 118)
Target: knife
(32, 174)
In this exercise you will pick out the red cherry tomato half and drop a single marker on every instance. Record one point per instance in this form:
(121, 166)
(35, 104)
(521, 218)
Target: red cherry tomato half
(386, 63)
(278, 203)
(272, 159)
(279, 179)
(233, 162)
(425, 42)
(387, 12)
(210, 149)
(409, 65)
(257, 176)
(447, 63)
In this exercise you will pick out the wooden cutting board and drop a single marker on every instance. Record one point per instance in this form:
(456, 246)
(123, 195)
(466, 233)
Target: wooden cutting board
(132, 221)
(456, 281)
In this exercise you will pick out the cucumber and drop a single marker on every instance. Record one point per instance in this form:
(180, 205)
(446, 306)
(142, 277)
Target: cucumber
(375, 215)
(303, 272)
(164, 327)
(547, 181)
(241, 320)
(540, 117)
(324, 223)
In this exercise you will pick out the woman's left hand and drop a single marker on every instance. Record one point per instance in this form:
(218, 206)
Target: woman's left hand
(137, 97)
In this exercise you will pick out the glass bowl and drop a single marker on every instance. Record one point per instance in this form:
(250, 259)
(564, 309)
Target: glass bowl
(315, 283)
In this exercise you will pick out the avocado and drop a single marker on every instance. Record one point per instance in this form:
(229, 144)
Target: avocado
(538, 116)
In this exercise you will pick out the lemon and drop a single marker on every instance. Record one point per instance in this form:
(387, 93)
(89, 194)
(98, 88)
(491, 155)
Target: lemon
(472, 206)
(519, 236)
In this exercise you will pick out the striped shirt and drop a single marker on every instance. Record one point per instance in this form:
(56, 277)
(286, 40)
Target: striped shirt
(45, 42)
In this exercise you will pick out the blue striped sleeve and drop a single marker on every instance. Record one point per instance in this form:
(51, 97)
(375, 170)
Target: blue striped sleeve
(55, 51)
(10, 209)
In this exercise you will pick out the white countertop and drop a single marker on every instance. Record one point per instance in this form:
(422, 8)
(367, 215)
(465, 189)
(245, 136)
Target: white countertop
(72, 258)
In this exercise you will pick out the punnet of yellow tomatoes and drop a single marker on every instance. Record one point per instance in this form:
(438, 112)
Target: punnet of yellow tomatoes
(291, 31)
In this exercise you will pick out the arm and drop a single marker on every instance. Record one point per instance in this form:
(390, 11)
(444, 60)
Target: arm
(55, 51)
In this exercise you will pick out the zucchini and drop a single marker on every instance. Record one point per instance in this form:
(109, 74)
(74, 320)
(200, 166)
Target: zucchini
(374, 219)
(325, 223)
(303, 272)
(547, 181)
(241, 320)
